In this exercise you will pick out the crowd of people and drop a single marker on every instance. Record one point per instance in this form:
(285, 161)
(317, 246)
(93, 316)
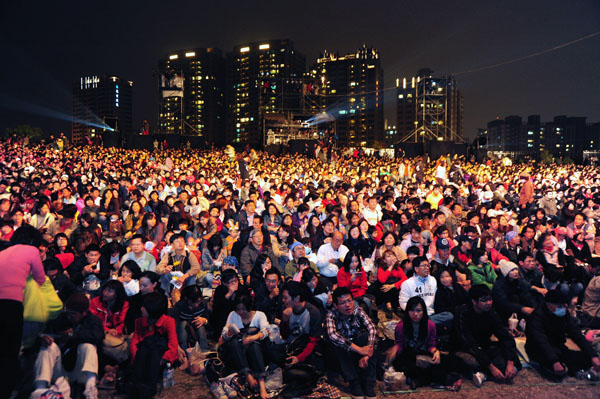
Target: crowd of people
(118, 266)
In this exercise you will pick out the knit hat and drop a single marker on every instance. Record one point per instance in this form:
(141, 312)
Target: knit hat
(510, 235)
(78, 302)
(294, 245)
(231, 260)
(506, 266)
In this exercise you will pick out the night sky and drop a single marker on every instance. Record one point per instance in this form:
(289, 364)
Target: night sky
(46, 45)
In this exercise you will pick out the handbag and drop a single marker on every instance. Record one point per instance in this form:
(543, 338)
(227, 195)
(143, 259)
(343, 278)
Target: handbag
(117, 348)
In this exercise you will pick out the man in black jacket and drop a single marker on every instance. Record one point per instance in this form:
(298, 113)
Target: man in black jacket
(70, 347)
(90, 269)
(476, 323)
(547, 330)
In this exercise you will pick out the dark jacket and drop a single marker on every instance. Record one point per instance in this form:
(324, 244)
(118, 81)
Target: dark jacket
(448, 300)
(76, 268)
(510, 296)
(475, 330)
(88, 330)
(547, 333)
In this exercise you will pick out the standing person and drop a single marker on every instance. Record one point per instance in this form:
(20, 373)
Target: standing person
(353, 336)
(18, 261)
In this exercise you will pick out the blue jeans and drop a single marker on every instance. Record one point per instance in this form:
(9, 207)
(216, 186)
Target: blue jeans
(570, 290)
(442, 319)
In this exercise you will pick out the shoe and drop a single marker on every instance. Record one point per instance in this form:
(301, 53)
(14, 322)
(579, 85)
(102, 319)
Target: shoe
(370, 393)
(91, 392)
(478, 379)
(229, 391)
(217, 390)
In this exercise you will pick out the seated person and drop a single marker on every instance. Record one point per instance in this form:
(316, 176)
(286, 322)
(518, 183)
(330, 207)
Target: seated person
(424, 285)
(353, 336)
(298, 251)
(240, 342)
(390, 277)
(89, 270)
(69, 347)
(129, 276)
(510, 293)
(450, 294)
(224, 298)
(330, 256)
(353, 276)
(414, 350)
(475, 324)
(301, 328)
(530, 274)
(481, 269)
(270, 304)
(320, 295)
(547, 329)
(191, 316)
(179, 259)
(153, 346)
(591, 299)
(62, 284)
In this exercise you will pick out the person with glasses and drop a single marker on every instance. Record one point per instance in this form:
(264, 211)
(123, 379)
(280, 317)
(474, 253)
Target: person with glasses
(423, 285)
(475, 324)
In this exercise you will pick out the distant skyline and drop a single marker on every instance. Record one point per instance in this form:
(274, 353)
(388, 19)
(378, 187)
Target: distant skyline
(48, 45)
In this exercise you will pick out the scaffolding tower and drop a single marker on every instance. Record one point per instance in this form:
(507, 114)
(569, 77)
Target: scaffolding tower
(437, 109)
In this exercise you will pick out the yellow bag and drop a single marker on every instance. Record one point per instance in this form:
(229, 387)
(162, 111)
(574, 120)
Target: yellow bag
(40, 304)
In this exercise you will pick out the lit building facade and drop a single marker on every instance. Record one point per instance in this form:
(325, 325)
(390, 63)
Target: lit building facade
(262, 78)
(562, 137)
(429, 108)
(192, 95)
(351, 91)
(101, 102)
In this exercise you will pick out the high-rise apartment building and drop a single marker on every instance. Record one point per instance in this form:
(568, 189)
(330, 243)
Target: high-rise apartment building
(262, 78)
(352, 93)
(191, 94)
(428, 108)
(101, 103)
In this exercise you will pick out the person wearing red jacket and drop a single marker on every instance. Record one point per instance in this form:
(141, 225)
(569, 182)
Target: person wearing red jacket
(153, 346)
(352, 275)
(111, 307)
(390, 277)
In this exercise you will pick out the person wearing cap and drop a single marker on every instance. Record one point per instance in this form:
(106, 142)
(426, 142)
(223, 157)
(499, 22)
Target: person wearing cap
(511, 248)
(297, 251)
(510, 293)
(548, 327)
(475, 324)
(442, 260)
(560, 237)
(462, 252)
(69, 347)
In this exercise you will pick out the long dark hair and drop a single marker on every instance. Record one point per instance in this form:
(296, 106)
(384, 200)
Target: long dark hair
(119, 290)
(348, 260)
(407, 323)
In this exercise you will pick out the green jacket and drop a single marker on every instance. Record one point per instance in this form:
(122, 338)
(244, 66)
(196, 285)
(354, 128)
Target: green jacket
(483, 274)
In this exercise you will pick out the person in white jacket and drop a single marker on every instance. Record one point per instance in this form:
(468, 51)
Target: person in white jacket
(422, 284)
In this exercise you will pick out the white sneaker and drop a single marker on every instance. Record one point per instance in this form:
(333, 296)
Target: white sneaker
(478, 379)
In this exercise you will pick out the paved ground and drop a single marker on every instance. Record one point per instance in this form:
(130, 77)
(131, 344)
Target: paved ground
(527, 385)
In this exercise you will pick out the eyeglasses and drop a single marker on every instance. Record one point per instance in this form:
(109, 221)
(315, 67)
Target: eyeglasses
(485, 299)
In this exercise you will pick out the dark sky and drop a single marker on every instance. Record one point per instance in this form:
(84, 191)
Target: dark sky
(46, 45)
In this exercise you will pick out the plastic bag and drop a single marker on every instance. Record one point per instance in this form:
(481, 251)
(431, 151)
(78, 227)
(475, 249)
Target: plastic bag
(40, 304)
(393, 380)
